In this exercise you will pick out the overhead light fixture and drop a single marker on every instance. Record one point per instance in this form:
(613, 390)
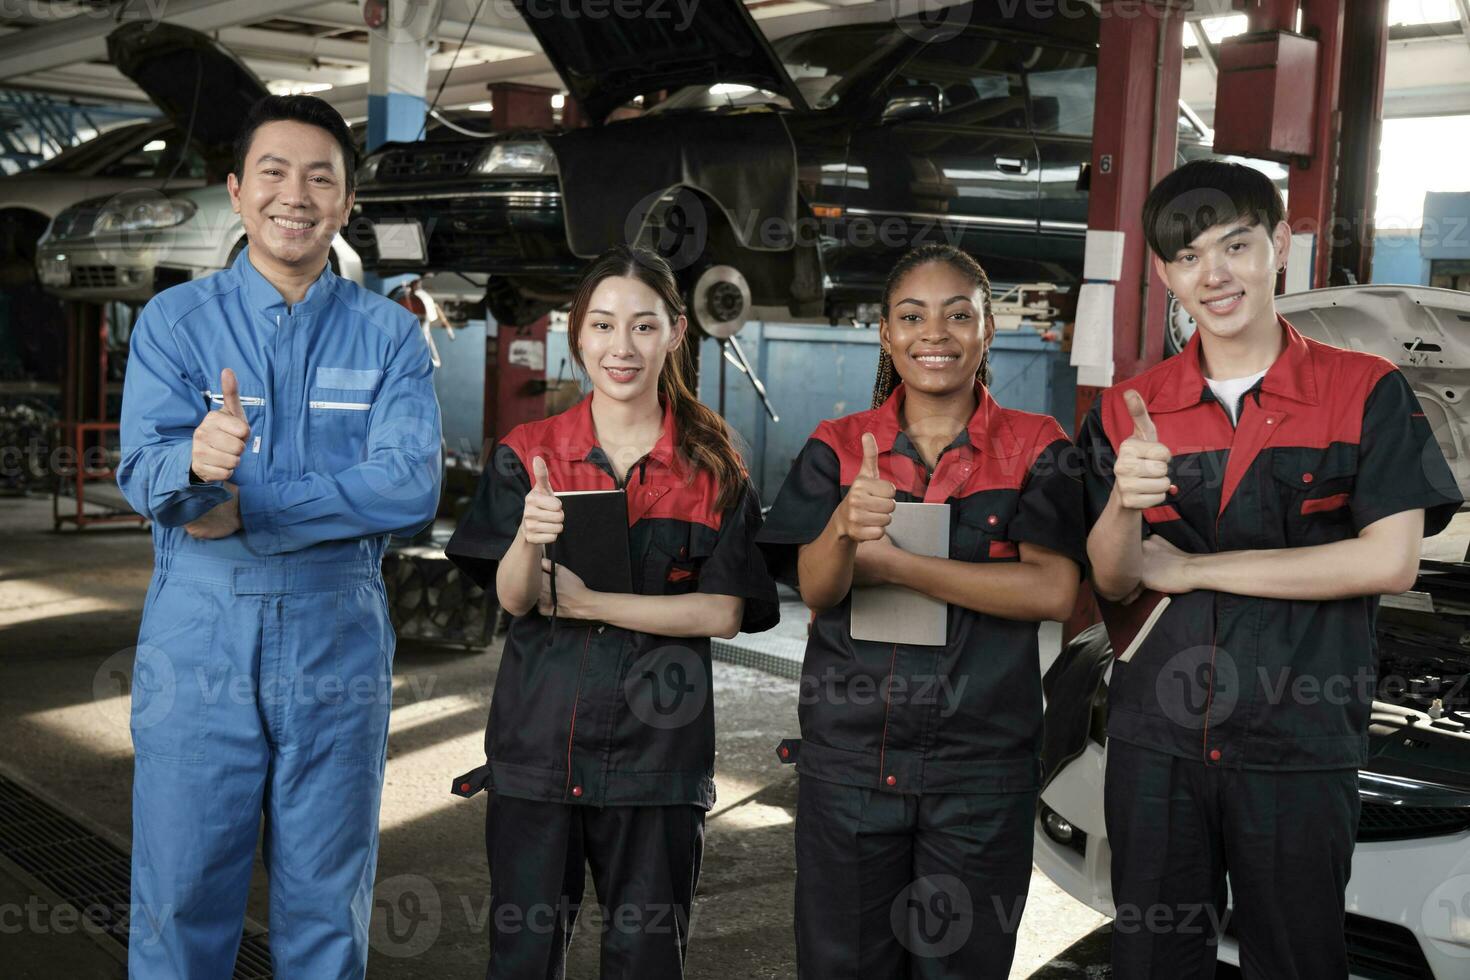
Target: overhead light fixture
(286, 86)
(558, 101)
(480, 106)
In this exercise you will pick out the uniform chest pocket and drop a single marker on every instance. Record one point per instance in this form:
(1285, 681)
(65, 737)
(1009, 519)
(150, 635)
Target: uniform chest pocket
(676, 555)
(1314, 489)
(979, 534)
(338, 407)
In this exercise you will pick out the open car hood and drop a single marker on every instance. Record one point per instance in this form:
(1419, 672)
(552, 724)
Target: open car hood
(186, 73)
(1425, 331)
(642, 46)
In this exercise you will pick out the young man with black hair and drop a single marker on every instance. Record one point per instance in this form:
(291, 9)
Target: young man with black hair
(278, 424)
(1275, 487)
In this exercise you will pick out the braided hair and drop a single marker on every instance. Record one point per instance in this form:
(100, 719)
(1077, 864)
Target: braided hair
(962, 263)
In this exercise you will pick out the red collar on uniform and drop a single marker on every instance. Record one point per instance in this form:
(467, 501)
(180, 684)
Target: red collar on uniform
(1291, 375)
(576, 434)
(988, 428)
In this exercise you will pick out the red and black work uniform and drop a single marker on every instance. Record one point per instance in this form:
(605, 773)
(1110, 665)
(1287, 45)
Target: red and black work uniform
(1235, 731)
(919, 764)
(600, 746)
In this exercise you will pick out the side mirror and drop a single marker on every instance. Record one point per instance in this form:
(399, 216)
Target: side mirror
(913, 102)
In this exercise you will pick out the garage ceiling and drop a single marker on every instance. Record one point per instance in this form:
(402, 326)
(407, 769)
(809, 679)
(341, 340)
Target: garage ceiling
(59, 47)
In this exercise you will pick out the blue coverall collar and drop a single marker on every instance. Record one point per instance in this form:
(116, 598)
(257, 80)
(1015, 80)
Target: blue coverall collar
(267, 298)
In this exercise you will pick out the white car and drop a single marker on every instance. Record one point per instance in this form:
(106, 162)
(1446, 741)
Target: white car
(1408, 900)
(132, 245)
(137, 241)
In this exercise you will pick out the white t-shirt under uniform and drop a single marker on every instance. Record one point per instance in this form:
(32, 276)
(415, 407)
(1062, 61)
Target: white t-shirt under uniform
(1230, 390)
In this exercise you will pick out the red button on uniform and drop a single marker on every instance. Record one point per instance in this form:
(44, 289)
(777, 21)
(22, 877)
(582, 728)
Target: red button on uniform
(464, 787)
(891, 780)
(1306, 478)
(576, 791)
(992, 519)
(785, 752)
(1173, 490)
(1214, 755)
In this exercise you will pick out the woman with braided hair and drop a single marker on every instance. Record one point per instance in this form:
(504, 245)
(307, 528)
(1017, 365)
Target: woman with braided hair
(919, 764)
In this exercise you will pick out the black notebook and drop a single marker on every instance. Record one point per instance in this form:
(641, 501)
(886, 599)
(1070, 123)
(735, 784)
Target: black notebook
(594, 539)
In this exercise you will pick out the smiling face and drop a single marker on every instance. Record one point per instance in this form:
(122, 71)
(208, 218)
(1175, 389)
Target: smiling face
(291, 195)
(624, 338)
(935, 329)
(1226, 277)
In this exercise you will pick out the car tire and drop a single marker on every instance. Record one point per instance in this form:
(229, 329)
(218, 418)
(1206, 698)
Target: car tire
(1179, 326)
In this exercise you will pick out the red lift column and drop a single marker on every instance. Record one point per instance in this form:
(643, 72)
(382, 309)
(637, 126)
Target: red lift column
(1135, 134)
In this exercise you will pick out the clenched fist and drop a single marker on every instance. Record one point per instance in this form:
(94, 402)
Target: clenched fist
(1141, 472)
(541, 520)
(220, 438)
(868, 507)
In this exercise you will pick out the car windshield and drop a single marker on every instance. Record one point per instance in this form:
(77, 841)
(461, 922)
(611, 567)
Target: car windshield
(819, 63)
(83, 156)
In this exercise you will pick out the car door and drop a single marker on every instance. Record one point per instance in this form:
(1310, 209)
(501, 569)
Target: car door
(957, 164)
(1061, 89)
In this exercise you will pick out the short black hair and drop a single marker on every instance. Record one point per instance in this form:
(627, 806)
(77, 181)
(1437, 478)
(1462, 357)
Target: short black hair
(303, 109)
(1205, 193)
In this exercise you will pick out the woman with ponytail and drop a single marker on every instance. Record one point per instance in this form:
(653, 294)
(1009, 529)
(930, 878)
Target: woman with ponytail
(920, 764)
(600, 746)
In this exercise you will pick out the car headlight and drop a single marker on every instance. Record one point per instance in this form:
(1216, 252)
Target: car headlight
(517, 157)
(143, 215)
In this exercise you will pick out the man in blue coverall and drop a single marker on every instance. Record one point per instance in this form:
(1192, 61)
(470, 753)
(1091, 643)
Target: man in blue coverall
(278, 424)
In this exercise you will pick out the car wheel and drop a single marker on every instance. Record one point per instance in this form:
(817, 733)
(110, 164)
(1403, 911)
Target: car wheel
(1179, 327)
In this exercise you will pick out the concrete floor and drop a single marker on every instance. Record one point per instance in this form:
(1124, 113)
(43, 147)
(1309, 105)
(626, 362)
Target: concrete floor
(69, 609)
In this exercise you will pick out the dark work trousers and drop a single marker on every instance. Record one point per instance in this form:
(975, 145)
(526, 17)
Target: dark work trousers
(1178, 827)
(644, 861)
(905, 886)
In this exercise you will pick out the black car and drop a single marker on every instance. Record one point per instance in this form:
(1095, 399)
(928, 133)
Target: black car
(790, 173)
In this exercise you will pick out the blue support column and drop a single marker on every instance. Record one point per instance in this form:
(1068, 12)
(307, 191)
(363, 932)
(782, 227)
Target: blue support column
(398, 76)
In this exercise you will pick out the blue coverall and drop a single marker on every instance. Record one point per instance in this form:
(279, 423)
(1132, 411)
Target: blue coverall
(263, 676)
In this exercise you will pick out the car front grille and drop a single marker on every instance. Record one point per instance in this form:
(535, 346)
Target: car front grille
(1383, 821)
(1376, 949)
(94, 276)
(1384, 951)
(427, 164)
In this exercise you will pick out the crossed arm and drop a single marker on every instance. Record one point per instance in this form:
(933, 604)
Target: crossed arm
(1383, 558)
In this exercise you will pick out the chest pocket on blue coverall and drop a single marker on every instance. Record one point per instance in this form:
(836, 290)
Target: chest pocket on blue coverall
(338, 406)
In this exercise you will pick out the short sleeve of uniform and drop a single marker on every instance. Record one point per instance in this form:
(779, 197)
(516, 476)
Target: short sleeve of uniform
(804, 505)
(1400, 465)
(737, 567)
(1096, 457)
(489, 526)
(1049, 512)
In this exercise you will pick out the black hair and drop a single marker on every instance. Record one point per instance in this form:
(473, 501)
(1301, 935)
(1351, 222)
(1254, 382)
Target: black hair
(961, 262)
(303, 109)
(1203, 194)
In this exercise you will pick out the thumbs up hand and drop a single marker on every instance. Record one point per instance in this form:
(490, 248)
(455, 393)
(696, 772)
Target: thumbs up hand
(542, 518)
(220, 438)
(868, 507)
(1141, 472)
